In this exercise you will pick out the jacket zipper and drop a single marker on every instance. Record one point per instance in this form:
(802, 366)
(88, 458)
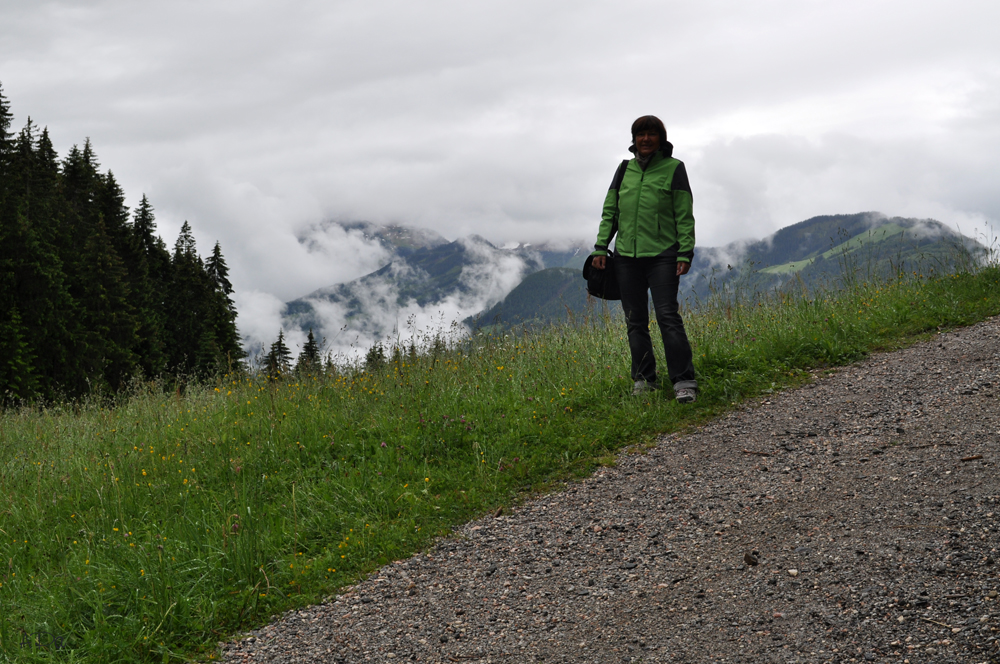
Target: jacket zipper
(635, 221)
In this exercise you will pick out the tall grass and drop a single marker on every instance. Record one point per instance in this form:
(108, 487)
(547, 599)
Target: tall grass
(150, 530)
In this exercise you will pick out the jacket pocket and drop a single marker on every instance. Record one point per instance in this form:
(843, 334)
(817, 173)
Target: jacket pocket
(665, 227)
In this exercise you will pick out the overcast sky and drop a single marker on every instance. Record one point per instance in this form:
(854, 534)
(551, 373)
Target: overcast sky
(256, 119)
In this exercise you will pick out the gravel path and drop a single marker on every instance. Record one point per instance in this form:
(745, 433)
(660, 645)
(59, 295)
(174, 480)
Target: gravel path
(855, 519)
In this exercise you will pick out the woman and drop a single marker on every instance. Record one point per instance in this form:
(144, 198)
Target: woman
(649, 208)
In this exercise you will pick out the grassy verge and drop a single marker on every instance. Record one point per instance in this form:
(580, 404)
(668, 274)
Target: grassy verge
(149, 531)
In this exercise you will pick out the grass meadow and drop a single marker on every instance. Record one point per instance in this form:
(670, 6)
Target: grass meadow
(152, 528)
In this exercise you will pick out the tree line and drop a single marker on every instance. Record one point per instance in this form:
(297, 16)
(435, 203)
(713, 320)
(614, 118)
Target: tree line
(90, 295)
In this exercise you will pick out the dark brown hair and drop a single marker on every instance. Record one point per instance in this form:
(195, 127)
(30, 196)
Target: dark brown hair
(648, 122)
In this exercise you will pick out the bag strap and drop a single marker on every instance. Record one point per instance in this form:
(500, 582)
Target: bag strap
(616, 183)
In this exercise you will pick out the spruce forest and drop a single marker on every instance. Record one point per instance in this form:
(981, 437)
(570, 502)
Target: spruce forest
(90, 296)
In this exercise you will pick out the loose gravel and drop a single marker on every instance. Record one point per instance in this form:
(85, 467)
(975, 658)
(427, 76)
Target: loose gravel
(852, 520)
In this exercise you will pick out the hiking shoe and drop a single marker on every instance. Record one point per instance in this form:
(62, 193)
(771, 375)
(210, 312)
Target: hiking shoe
(641, 387)
(686, 395)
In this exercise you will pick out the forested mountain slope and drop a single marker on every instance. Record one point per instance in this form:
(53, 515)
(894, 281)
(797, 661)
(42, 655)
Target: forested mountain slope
(90, 296)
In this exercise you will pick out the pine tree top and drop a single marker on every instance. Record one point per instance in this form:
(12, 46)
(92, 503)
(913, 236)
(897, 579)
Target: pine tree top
(6, 117)
(185, 245)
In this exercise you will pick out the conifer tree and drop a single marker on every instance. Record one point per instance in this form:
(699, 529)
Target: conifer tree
(207, 358)
(97, 277)
(6, 117)
(152, 246)
(17, 375)
(34, 284)
(223, 317)
(309, 361)
(279, 359)
(153, 268)
(131, 248)
(45, 194)
(186, 301)
(30, 267)
(375, 359)
(109, 316)
(115, 214)
(6, 150)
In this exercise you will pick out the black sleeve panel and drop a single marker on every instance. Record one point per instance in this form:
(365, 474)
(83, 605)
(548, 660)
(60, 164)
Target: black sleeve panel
(680, 181)
(616, 183)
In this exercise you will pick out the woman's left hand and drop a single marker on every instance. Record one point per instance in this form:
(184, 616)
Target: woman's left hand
(682, 268)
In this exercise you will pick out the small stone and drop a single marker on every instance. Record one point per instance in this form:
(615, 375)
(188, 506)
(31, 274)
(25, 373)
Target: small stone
(491, 570)
(496, 515)
(750, 559)
(444, 639)
(869, 657)
(630, 565)
(993, 594)
(793, 572)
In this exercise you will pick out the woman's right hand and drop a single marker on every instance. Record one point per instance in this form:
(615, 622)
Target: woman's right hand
(599, 262)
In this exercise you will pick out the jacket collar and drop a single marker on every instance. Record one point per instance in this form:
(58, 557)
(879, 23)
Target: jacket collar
(667, 150)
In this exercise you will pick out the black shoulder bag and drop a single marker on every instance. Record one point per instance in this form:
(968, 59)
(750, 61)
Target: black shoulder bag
(604, 283)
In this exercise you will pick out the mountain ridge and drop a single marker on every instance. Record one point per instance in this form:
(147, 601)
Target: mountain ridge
(482, 284)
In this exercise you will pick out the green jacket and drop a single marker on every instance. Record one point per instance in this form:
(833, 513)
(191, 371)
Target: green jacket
(650, 211)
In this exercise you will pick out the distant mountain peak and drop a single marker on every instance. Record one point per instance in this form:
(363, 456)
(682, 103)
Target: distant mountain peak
(396, 239)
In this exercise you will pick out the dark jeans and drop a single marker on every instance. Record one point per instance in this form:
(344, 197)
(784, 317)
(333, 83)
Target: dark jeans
(638, 277)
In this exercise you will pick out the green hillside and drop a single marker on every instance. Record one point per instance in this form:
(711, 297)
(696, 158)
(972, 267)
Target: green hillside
(829, 252)
(886, 233)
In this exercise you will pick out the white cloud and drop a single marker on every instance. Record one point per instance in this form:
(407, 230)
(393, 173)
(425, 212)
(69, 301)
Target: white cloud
(487, 277)
(259, 319)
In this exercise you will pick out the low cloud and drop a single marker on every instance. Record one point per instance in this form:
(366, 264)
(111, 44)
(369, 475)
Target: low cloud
(351, 317)
(259, 319)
